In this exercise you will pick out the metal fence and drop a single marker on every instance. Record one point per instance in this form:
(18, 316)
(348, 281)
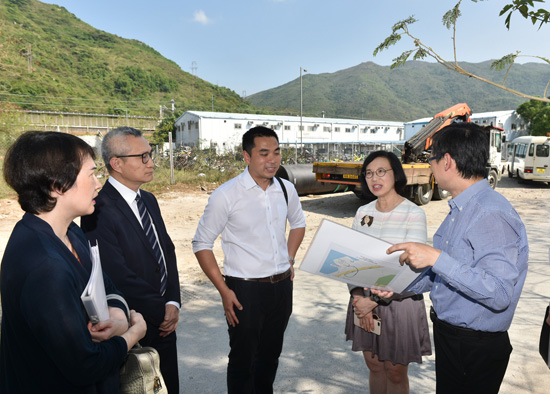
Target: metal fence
(326, 152)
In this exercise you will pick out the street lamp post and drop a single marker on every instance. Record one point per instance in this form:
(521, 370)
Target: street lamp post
(301, 112)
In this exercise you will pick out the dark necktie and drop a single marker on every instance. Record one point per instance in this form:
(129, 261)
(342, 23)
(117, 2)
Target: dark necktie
(150, 234)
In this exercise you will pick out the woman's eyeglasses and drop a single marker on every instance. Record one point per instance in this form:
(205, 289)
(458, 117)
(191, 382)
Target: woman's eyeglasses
(379, 173)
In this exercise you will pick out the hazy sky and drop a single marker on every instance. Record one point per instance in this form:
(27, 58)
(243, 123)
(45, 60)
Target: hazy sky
(254, 45)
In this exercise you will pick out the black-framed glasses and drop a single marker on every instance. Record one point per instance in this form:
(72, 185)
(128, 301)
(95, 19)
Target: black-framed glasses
(379, 173)
(435, 158)
(145, 157)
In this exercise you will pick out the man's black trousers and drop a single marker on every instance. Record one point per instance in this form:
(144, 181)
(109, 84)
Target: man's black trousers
(256, 342)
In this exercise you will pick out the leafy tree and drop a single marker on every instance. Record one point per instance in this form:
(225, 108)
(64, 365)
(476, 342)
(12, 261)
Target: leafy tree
(166, 126)
(537, 114)
(540, 16)
(421, 50)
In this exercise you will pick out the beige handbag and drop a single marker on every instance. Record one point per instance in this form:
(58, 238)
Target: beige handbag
(140, 373)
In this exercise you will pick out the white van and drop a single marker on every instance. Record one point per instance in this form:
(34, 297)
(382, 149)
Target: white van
(529, 158)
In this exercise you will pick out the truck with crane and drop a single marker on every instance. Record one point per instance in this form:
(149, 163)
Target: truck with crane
(421, 185)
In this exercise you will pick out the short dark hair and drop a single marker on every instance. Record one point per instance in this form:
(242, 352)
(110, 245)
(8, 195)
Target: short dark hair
(258, 131)
(398, 173)
(468, 145)
(109, 146)
(40, 162)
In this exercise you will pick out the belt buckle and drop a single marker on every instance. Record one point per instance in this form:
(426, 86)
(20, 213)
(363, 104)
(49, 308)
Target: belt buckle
(271, 279)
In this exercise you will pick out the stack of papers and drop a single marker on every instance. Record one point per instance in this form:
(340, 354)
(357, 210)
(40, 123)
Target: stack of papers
(93, 297)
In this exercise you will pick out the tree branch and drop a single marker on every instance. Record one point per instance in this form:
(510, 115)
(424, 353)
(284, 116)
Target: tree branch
(449, 20)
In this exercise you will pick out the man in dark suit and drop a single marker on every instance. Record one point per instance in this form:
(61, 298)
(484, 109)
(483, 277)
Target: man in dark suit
(136, 250)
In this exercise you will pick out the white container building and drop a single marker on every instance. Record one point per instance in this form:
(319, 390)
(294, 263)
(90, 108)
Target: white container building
(224, 131)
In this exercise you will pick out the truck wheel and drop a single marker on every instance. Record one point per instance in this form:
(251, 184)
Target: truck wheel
(510, 173)
(440, 194)
(520, 179)
(423, 194)
(492, 178)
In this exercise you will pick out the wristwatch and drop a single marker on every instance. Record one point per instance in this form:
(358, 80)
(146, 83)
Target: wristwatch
(291, 259)
(376, 298)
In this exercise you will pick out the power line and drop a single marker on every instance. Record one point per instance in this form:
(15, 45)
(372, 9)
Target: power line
(75, 98)
(53, 105)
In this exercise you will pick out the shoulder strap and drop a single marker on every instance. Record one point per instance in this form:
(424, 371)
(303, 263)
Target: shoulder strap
(117, 297)
(284, 189)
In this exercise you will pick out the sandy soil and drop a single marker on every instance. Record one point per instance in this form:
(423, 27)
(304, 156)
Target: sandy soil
(182, 211)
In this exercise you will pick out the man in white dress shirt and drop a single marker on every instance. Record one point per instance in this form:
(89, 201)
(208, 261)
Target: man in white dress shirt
(250, 212)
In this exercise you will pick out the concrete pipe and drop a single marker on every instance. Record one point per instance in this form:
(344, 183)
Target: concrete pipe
(303, 178)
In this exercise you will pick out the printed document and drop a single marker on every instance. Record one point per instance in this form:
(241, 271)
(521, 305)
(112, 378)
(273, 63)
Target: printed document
(342, 253)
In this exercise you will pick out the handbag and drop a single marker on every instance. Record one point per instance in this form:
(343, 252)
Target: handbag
(545, 339)
(140, 373)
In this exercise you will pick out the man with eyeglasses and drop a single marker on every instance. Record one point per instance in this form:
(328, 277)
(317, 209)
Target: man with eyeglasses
(136, 250)
(476, 269)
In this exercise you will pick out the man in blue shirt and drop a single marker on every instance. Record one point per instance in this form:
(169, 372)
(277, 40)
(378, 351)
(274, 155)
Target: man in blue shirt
(476, 269)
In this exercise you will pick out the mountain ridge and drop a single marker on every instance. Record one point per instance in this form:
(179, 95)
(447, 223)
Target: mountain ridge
(418, 89)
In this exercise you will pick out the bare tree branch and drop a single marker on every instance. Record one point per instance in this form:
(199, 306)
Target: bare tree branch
(449, 21)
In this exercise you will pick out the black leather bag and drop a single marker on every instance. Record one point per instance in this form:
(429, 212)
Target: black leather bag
(544, 338)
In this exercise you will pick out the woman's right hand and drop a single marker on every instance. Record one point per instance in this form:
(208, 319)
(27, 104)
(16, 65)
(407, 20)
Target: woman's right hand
(367, 322)
(363, 306)
(136, 331)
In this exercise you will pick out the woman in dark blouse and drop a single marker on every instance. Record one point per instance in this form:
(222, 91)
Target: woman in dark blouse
(48, 343)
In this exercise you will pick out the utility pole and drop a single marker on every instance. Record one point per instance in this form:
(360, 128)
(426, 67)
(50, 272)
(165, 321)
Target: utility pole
(194, 72)
(29, 58)
(301, 113)
(301, 106)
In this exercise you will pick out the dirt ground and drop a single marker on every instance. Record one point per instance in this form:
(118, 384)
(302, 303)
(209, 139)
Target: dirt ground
(183, 209)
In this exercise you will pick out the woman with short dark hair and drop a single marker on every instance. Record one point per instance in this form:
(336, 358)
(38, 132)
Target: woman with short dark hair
(404, 335)
(48, 343)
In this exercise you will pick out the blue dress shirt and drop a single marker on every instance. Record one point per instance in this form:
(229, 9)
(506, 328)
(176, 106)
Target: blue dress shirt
(477, 280)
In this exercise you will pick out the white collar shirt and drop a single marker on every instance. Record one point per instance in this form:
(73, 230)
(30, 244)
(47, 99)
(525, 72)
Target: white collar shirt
(252, 223)
(128, 195)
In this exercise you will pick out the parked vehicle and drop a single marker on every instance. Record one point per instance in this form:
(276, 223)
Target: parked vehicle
(529, 159)
(421, 184)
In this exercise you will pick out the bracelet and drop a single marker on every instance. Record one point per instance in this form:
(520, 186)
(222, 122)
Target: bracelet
(291, 259)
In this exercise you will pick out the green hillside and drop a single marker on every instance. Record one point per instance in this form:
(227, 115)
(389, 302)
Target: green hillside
(419, 89)
(75, 67)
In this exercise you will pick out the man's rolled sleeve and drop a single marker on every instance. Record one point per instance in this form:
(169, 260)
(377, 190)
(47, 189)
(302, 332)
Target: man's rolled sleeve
(296, 217)
(212, 223)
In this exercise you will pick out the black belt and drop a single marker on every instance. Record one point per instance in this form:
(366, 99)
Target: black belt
(268, 279)
(461, 331)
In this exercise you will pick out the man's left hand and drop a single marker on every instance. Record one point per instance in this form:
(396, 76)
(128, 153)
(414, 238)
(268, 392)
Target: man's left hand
(170, 322)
